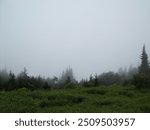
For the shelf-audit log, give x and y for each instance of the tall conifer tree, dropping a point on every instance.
(144, 67)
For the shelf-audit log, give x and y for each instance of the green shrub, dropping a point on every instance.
(141, 81)
(145, 108)
(126, 93)
(69, 85)
(94, 91)
(104, 103)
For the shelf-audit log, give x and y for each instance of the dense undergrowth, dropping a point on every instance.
(94, 99)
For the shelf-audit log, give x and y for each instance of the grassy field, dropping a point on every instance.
(96, 99)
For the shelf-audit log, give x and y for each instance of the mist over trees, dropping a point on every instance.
(123, 77)
(9, 81)
(67, 78)
(138, 76)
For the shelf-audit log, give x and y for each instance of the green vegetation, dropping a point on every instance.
(81, 99)
(107, 92)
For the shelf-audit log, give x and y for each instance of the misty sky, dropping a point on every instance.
(90, 36)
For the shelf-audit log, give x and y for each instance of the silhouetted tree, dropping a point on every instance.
(96, 80)
(4, 78)
(11, 85)
(91, 81)
(46, 86)
(64, 77)
(144, 67)
(23, 79)
(142, 79)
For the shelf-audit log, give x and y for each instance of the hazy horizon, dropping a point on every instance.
(90, 36)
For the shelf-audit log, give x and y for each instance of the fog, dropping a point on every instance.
(90, 36)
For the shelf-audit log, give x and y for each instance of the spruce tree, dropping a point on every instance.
(144, 67)
(142, 79)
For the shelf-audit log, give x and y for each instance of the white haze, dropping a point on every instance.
(90, 36)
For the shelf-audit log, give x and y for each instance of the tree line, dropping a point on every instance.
(9, 81)
(138, 76)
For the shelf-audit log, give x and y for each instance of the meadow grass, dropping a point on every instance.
(95, 99)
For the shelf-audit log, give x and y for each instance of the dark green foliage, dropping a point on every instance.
(141, 81)
(97, 99)
(145, 108)
(84, 83)
(35, 95)
(94, 91)
(126, 93)
(70, 85)
(12, 82)
(61, 100)
(52, 97)
(127, 82)
(46, 86)
(103, 103)
(4, 77)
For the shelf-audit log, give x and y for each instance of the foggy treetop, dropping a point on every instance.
(91, 36)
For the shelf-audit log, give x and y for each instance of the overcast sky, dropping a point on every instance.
(90, 36)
